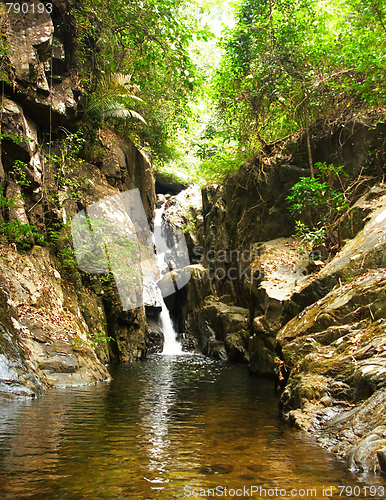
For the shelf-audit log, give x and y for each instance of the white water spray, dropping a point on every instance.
(171, 345)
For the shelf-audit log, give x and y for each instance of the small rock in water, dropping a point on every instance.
(381, 454)
(216, 469)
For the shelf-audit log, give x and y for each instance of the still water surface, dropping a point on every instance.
(169, 427)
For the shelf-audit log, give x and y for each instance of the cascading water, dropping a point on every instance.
(171, 345)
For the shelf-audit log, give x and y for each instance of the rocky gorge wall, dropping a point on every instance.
(252, 298)
(59, 326)
(316, 326)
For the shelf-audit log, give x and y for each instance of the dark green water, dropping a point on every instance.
(169, 427)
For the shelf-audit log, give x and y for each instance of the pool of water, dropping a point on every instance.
(168, 427)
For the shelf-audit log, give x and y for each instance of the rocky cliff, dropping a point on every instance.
(316, 326)
(59, 326)
(335, 347)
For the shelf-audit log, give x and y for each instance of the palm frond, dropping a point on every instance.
(120, 78)
(112, 99)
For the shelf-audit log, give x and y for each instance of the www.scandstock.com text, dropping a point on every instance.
(277, 492)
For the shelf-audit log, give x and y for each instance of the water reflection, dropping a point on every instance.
(158, 398)
(32, 433)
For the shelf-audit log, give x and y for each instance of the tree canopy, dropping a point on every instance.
(287, 63)
(148, 41)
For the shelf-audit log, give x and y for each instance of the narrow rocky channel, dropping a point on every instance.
(278, 389)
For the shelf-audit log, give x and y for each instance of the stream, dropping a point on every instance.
(167, 427)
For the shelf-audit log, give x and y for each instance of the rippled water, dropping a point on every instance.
(168, 427)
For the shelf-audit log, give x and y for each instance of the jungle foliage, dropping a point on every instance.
(317, 204)
(148, 42)
(288, 63)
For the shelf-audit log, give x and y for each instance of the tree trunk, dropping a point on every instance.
(310, 162)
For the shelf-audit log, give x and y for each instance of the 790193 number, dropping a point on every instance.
(357, 491)
(24, 8)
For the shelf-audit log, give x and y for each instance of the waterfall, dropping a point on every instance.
(171, 346)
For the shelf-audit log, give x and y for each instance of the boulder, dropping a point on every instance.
(184, 212)
(235, 344)
(223, 323)
(216, 350)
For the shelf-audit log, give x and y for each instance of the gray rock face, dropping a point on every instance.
(36, 75)
(125, 167)
(275, 273)
(154, 337)
(16, 377)
(351, 144)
